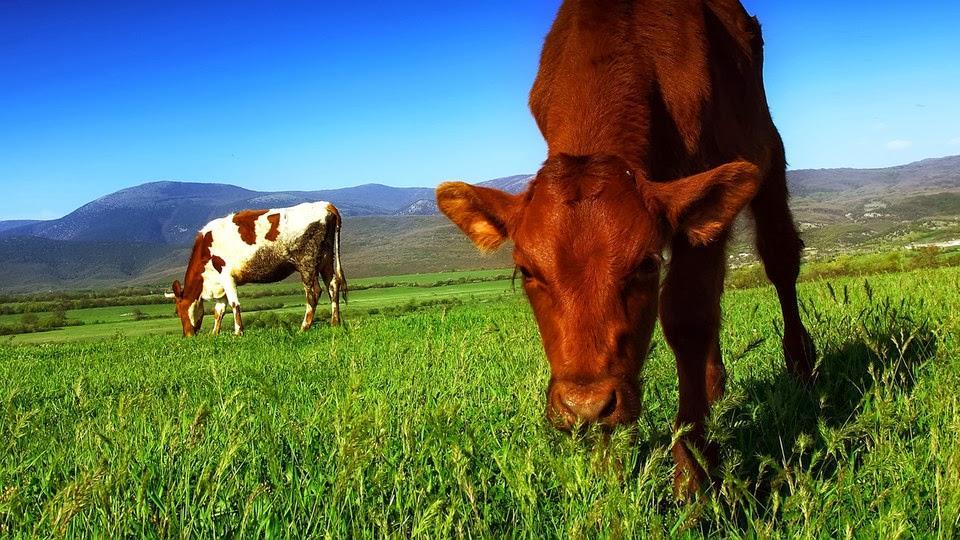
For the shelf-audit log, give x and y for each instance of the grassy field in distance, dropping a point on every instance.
(430, 423)
(284, 299)
(268, 305)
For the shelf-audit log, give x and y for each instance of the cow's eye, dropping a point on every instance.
(649, 265)
(527, 277)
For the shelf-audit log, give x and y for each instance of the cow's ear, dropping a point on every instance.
(177, 291)
(704, 205)
(485, 215)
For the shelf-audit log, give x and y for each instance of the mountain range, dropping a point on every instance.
(172, 212)
(140, 233)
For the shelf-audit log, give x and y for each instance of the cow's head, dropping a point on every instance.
(588, 235)
(190, 310)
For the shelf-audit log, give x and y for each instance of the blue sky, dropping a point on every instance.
(97, 96)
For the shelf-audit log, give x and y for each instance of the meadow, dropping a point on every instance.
(144, 310)
(427, 421)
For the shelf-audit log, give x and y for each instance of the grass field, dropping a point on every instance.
(429, 423)
(137, 312)
(284, 300)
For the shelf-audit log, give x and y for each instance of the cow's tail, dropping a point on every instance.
(337, 268)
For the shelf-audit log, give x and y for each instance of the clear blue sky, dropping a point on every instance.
(97, 96)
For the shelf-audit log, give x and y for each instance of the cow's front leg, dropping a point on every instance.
(218, 312)
(237, 320)
(230, 289)
(690, 317)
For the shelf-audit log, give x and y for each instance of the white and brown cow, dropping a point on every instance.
(262, 246)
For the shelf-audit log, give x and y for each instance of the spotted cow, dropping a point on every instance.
(262, 246)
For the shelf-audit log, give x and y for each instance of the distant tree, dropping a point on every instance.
(60, 312)
(29, 319)
(57, 319)
(926, 257)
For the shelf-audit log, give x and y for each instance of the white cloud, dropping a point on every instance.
(955, 141)
(899, 144)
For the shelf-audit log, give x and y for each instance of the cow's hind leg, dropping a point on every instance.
(690, 317)
(311, 287)
(780, 249)
(230, 289)
(333, 289)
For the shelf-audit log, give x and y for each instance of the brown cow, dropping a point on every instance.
(659, 135)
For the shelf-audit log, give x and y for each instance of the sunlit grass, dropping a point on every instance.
(430, 424)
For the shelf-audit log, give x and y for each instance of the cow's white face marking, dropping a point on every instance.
(195, 312)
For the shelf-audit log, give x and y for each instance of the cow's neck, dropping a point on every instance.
(193, 279)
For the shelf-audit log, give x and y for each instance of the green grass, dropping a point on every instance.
(106, 322)
(390, 294)
(430, 424)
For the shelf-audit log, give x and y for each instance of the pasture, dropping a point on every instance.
(428, 422)
(282, 302)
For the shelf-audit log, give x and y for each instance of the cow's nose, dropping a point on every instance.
(574, 403)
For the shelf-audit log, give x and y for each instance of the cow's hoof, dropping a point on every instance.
(800, 354)
(689, 477)
(689, 480)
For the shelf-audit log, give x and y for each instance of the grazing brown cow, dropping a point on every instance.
(262, 246)
(659, 135)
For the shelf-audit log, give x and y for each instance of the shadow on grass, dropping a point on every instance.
(768, 424)
(771, 429)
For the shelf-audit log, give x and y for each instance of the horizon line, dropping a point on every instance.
(375, 183)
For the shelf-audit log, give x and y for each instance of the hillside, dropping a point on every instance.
(171, 212)
(397, 230)
(929, 174)
(31, 264)
(372, 246)
(16, 224)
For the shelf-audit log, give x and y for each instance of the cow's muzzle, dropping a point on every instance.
(607, 402)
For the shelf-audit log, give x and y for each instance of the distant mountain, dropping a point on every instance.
(139, 234)
(428, 206)
(422, 207)
(510, 184)
(922, 190)
(172, 212)
(16, 224)
(372, 246)
(37, 263)
(927, 175)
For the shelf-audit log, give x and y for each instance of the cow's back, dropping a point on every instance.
(673, 86)
(266, 245)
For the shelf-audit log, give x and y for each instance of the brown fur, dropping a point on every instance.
(193, 281)
(274, 231)
(218, 264)
(246, 222)
(658, 135)
(266, 266)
